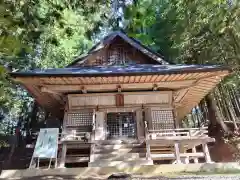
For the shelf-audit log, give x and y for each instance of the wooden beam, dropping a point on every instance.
(46, 90)
(172, 155)
(58, 96)
(131, 86)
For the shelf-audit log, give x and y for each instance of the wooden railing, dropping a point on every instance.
(179, 139)
(74, 136)
(182, 132)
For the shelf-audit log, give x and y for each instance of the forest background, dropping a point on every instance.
(51, 33)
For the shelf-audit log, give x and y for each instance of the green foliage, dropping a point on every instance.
(50, 33)
(5, 91)
(194, 32)
(189, 31)
(42, 34)
(68, 30)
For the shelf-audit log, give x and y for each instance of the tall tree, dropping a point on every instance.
(68, 28)
(43, 34)
(192, 32)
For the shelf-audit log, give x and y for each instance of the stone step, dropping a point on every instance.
(125, 164)
(118, 157)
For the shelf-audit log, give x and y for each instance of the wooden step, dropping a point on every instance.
(77, 155)
(172, 155)
(76, 159)
(79, 142)
(162, 147)
(104, 163)
(117, 146)
(118, 157)
(113, 142)
(76, 146)
(120, 150)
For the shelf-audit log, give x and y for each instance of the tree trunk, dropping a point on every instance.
(215, 118)
(7, 163)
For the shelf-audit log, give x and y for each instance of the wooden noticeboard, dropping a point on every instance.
(46, 146)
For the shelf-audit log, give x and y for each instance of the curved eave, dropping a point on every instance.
(189, 85)
(111, 71)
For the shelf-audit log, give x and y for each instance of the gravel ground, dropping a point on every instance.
(193, 177)
(188, 177)
(209, 177)
(181, 177)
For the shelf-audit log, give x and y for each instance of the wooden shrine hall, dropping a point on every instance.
(122, 104)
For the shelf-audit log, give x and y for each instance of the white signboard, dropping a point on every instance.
(47, 143)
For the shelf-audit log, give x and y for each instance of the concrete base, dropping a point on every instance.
(103, 173)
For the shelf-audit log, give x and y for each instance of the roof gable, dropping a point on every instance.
(151, 56)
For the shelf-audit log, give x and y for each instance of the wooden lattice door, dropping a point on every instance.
(121, 125)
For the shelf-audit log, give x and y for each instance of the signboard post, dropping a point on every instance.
(46, 146)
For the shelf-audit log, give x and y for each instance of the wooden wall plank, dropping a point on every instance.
(136, 86)
(108, 99)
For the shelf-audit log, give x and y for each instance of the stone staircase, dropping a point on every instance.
(119, 153)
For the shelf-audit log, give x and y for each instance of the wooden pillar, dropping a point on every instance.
(140, 125)
(64, 145)
(206, 152)
(92, 157)
(63, 156)
(194, 151)
(92, 147)
(99, 129)
(177, 153)
(148, 153)
(93, 126)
